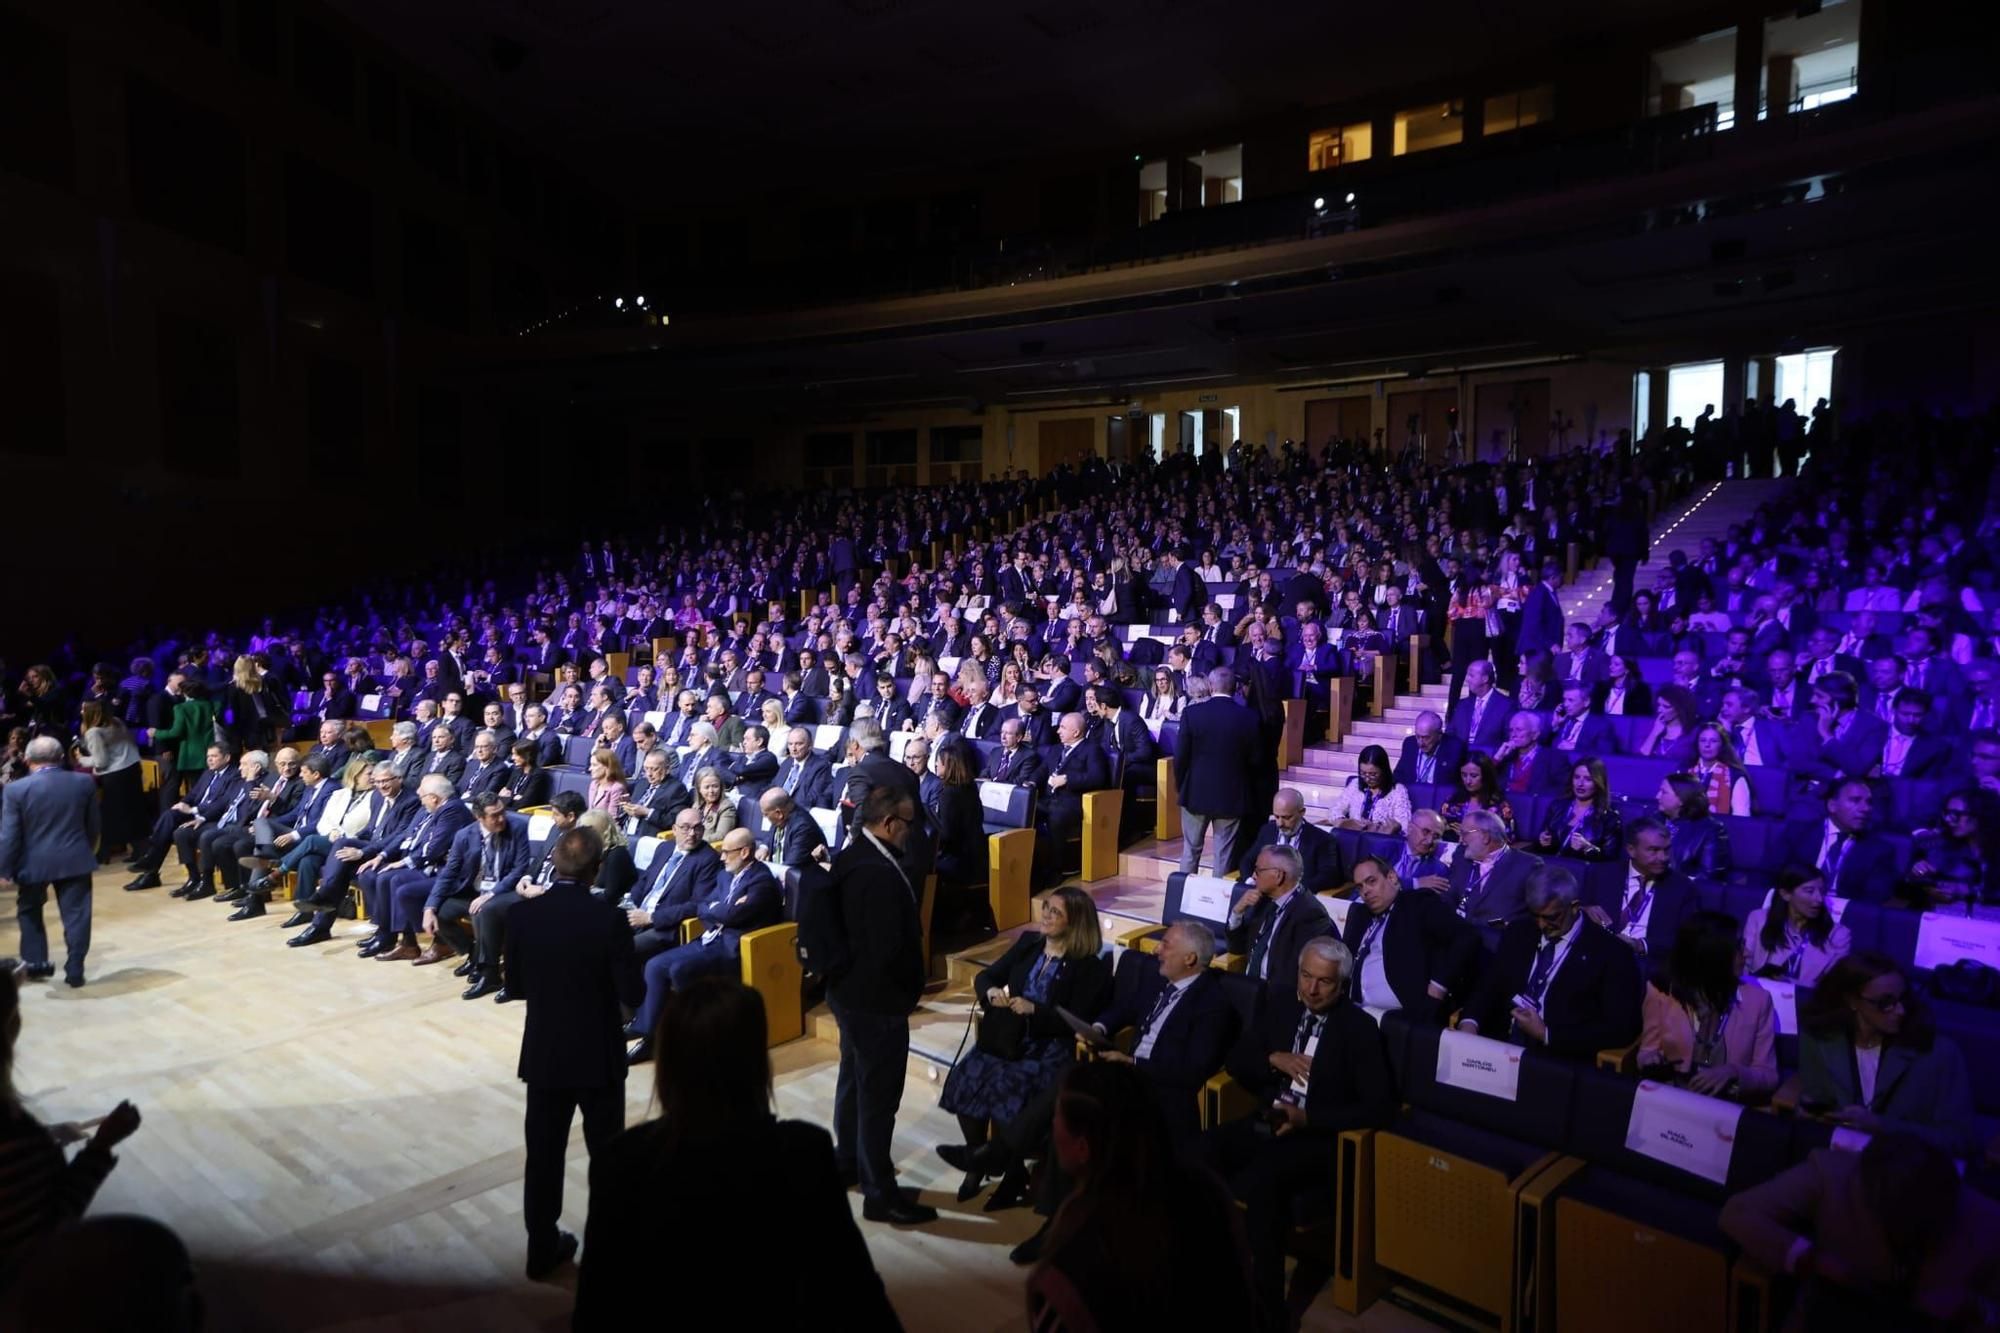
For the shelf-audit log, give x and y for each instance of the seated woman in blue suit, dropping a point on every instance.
(1870, 1057)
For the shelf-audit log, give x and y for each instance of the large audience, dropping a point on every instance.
(1614, 837)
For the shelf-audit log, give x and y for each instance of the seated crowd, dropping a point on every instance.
(1615, 843)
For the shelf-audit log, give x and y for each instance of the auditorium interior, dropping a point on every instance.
(1559, 438)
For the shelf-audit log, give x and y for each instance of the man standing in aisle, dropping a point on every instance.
(48, 839)
(873, 991)
(569, 955)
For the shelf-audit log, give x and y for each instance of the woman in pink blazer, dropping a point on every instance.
(1705, 1027)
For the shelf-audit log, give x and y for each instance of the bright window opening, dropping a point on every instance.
(1698, 73)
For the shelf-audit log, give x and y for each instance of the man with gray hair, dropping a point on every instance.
(48, 840)
(1275, 919)
(1487, 877)
(1216, 758)
(1318, 1067)
(1559, 979)
(1181, 1023)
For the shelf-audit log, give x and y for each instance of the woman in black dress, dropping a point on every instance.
(1060, 965)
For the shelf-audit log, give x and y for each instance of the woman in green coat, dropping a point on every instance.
(192, 730)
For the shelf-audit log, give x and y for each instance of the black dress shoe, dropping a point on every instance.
(148, 879)
(40, 971)
(297, 919)
(310, 935)
(481, 987)
(1011, 1192)
(1029, 1250)
(541, 1265)
(250, 910)
(639, 1052)
(899, 1211)
(464, 969)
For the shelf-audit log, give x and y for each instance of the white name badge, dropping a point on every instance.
(1944, 939)
(1207, 897)
(1479, 1064)
(1684, 1129)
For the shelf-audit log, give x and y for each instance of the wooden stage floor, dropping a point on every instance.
(339, 1140)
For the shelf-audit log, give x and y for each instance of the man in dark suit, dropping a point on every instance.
(1075, 766)
(48, 840)
(803, 775)
(1430, 755)
(1016, 763)
(488, 858)
(1183, 1025)
(879, 984)
(391, 810)
(1559, 979)
(1541, 617)
(792, 837)
(1644, 901)
(1576, 729)
(746, 898)
(1038, 726)
(678, 881)
(1319, 851)
(1488, 878)
(396, 885)
(1273, 921)
(1411, 951)
(1479, 718)
(1318, 1067)
(1216, 756)
(571, 960)
(1855, 863)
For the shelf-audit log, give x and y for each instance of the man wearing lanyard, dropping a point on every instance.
(1273, 921)
(1317, 1065)
(1559, 979)
(1411, 951)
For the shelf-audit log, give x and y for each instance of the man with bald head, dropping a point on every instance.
(1431, 755)
(1289, 827)
(746, 898)
(1075, 766)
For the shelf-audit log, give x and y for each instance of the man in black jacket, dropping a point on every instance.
(1318, 1067)
(1411, 951)
(873, 996)
(1559, 979)
(570, 957)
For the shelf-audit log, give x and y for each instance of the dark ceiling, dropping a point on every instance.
(673, 103)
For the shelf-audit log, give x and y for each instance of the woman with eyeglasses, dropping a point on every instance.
(1794, 938)
(1950, 869)
(1871, 1059)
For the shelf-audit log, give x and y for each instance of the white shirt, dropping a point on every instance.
(1175, 991)
(1867, 1062)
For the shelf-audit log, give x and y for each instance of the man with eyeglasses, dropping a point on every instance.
(1275, 919)
(877, 988)
(1559, 980)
